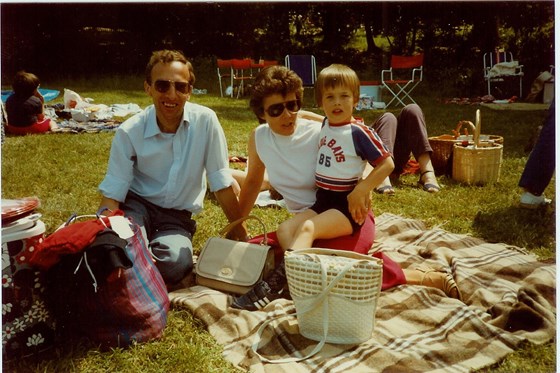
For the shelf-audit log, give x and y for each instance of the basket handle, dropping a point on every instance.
(231, 225)
(475, 128)
(476, 136)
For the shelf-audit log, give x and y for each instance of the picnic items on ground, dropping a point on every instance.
(335, 293)
(232, 266)
(27, 324)
(83, 110)
(442, 146)
(102, 281)
(509, 303)
(479, 163)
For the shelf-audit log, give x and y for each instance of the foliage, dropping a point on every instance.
(118, 37)
(63, 170)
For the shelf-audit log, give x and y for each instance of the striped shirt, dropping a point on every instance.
(343, 152)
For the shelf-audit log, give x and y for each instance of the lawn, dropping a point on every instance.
(63, 170)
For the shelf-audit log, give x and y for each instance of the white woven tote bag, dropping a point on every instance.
(335, 294)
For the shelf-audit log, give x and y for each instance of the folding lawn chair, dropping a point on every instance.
(242, 70)
(224, 72)
(499, 66)
(304, 65)
(402, 77)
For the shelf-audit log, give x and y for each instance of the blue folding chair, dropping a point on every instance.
(304, 66)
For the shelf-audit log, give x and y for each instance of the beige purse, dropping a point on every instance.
(232, 266)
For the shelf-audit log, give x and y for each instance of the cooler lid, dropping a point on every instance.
(35, 230)
(21, 224)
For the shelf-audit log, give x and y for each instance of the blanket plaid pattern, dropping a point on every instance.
(508, 300)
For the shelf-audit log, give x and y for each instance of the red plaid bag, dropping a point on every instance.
(110, 292)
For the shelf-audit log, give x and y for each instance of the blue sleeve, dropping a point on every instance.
(368, 144)
(119, 174)
(217, 160)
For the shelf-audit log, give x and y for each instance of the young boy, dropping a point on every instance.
(346, 146)
(25, 107)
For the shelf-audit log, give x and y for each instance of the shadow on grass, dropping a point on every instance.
(520, 227)
(60, 357)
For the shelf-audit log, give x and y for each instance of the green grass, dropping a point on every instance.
(64, 170)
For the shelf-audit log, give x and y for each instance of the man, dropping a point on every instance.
(160, 160)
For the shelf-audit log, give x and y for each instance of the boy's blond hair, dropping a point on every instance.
(337, 75)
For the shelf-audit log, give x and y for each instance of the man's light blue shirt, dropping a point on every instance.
(169, 170)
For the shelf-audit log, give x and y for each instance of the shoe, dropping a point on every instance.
(440, 280)
(265, 291)
(385, 189)
(428, 187)
(531, 201)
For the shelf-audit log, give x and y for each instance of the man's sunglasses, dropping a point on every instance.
(277, 109)
(163, 86)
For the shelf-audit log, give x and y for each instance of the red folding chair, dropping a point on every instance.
(402, 77)
(241, 71)
(224, 72)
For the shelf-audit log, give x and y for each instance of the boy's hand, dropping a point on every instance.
(359, 203)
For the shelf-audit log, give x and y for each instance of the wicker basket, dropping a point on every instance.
(442, 149)
(477, 164)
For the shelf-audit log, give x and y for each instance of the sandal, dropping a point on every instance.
(441, 280)
(386, 189)
(428, 187)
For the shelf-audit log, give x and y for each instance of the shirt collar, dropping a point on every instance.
(152, 129)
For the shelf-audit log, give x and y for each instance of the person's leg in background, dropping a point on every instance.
(412, 137)
(386, 127)
(540, 166)
(405, 135)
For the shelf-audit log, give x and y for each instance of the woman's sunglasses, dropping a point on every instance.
(163, 86)
(277, 109)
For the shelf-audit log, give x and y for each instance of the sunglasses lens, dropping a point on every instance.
(162, 86)
(181, 87)
(275, 110)
(292, 106)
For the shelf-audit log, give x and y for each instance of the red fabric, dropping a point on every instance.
(68, 240)
(38, 127)
(359, 242)
(412, 167)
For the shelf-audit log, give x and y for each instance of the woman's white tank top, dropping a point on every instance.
(290, 162)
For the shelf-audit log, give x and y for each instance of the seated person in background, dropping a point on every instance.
(25, 107)
(403, 135)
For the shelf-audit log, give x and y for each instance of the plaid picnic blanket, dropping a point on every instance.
(509, 299)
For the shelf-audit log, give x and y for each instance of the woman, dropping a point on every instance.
(285, 146)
